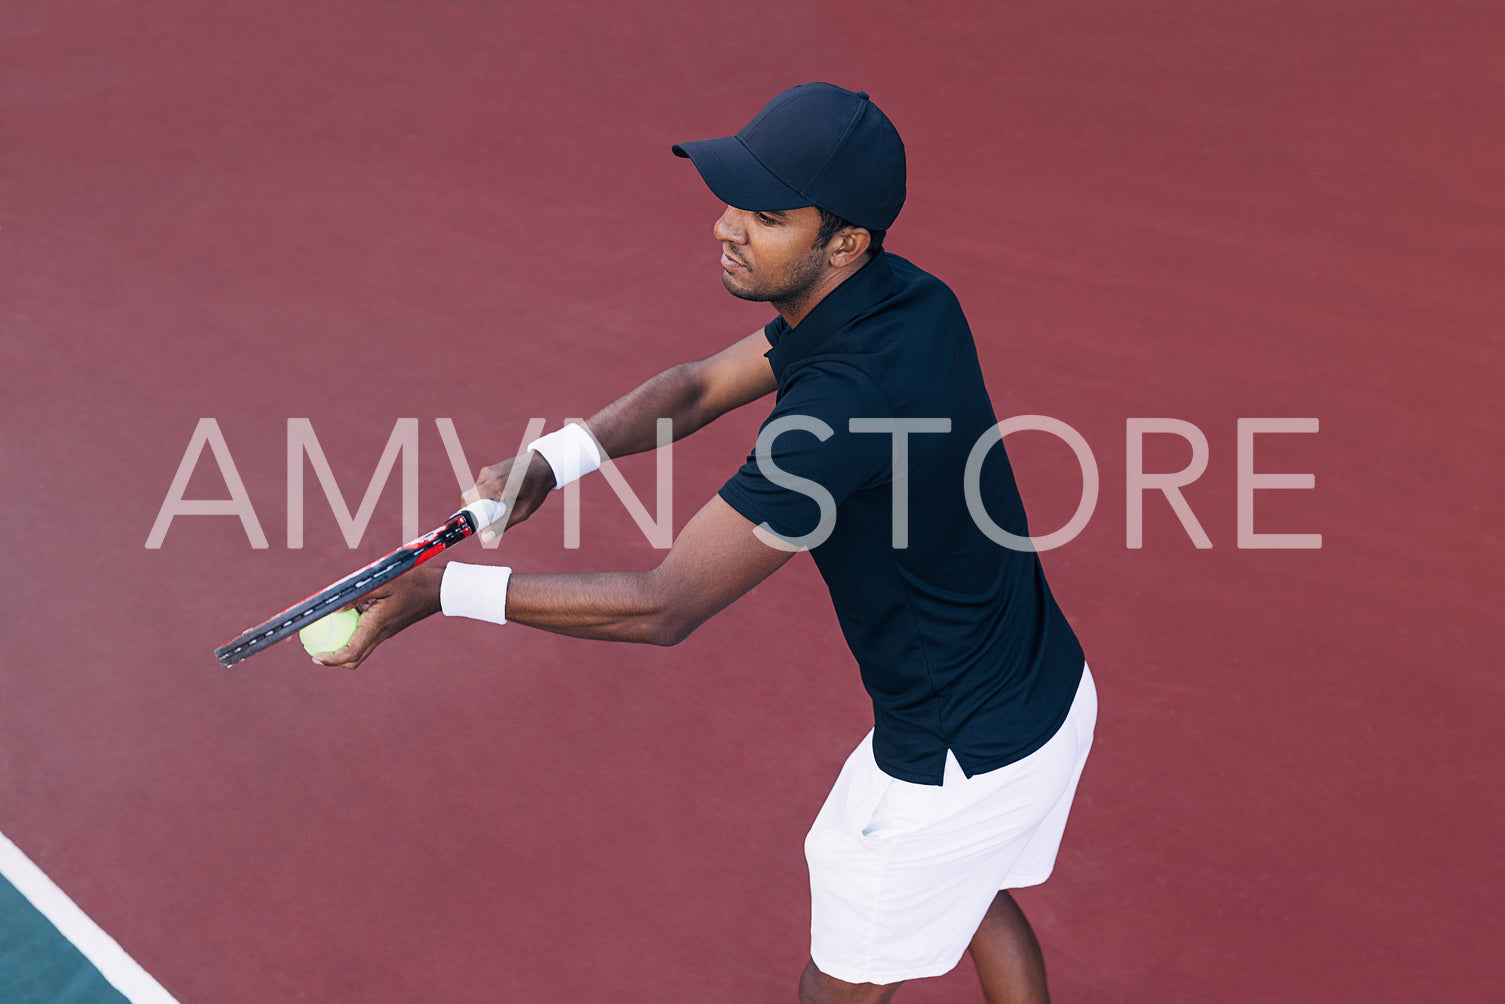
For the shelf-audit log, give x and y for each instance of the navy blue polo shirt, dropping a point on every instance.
(960, 643)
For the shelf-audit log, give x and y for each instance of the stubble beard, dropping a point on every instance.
(792, 285)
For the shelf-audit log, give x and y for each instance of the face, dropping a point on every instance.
(770, 256)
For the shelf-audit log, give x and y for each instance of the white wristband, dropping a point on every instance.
(570, 451)
(478, 591)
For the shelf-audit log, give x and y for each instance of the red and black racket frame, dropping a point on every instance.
(349, 589)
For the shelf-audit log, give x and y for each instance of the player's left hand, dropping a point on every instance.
(404, 601)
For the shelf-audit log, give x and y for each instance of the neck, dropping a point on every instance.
(796, 309)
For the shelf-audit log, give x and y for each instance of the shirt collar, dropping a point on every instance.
(837, 309)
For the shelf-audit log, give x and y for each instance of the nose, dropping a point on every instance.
(729, 227)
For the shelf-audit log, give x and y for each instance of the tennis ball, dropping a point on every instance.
(329, 634)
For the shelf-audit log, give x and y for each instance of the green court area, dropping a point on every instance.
(40, 966)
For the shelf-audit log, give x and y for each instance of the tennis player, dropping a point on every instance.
(876, 458)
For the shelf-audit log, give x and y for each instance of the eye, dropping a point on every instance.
(766, 220)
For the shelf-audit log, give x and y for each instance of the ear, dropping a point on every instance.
(848, 246)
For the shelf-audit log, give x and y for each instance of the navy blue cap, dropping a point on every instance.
(813, 145)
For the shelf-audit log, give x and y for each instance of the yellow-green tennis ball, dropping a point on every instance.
(329, 634)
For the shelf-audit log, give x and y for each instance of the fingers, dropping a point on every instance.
(368, 634)
(491, 483)
(358, 646)
(361, 644)
(520, 483)
(384, 613)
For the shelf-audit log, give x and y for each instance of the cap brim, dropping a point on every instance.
(736, 177)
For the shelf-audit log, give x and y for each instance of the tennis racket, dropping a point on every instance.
(473, 518)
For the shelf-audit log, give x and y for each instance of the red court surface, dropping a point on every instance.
(358, 213)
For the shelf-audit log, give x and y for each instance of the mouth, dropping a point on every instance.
(728, 262)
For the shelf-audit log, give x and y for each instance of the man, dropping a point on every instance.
(876, 458)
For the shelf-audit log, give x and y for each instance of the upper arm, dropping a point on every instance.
(715, 559)
(737, 375)
(809, 460)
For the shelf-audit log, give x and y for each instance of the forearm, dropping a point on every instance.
(716, 559)
(607, 606)
(690, 395)
(630, 424)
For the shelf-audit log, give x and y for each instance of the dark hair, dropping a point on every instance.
(831, 225)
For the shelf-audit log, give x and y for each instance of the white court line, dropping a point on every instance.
(123, 972)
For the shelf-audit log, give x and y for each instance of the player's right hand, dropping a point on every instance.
(491, 483)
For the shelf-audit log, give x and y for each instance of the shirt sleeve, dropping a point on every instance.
(807, 461)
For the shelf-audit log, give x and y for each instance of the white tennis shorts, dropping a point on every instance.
(901, 874)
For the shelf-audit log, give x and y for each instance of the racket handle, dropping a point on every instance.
(484, 512)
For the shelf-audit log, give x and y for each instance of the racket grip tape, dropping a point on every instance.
(484, 512)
